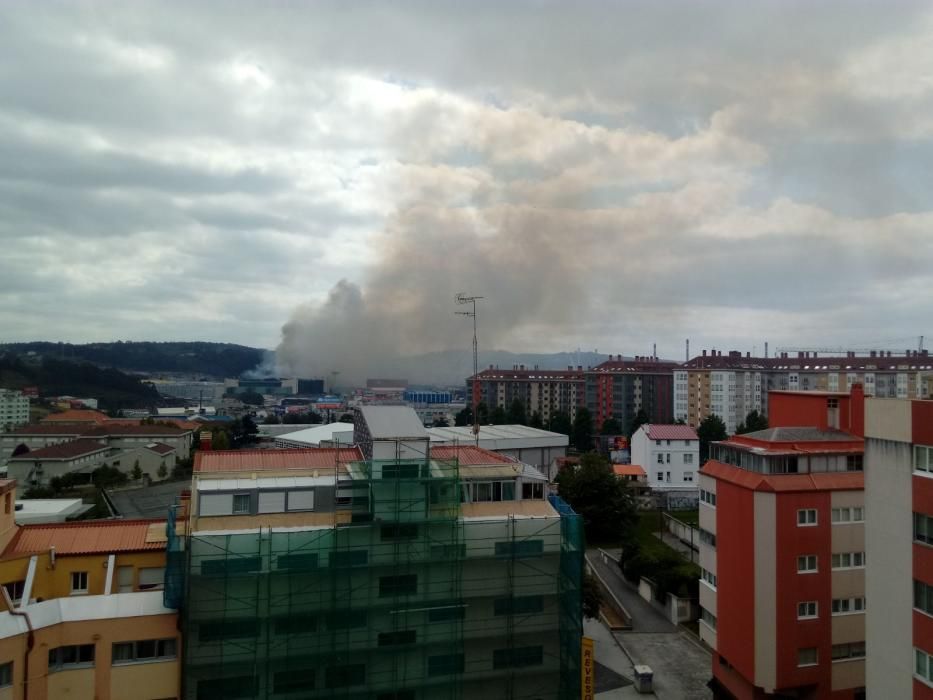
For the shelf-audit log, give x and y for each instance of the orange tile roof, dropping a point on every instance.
(84, 537)
(76, 416)
(258, 460)
(469, 455)
(628, 470)
(817, 481)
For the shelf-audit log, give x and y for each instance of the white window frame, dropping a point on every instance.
(806, 562)
(79, 590)
(847, 560)
(806, 606)
(807, 517)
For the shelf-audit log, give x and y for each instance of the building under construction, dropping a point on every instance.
(386, 570)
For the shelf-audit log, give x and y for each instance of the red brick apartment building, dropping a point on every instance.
(782, 552)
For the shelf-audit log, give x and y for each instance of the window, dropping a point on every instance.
(688, 458)
(152, 579)
(668, 457)
(923, 459)
(852, 650)
(445, 664)
(848, 515)
(660, 476)
(301, 500)
(388, 639)
(660, 458)
(854, 463)
(923, 528)
(78, 582)
(518, 657)
(657, 442)
(234, 565)
(398, 531)
(807, 610)
(708, 576)
(72, 656)
(143, 650)
(806, 517)
(15, 589)
(240, 503)
(807, 657)
(923, 666)
(533, 490)
(707, 537)
(345, 676)
(300, 561)
(447, 551)
(295, 624)
(707, 617)
(806, 564)
(6, 674)
(848, 606)
(346, 619)
(708, 497)
(848, 560)
(406, 584)
(923, 597)
(520, 549)
(297, 681)
(519, 605)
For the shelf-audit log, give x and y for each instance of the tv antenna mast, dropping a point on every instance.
(463, 299)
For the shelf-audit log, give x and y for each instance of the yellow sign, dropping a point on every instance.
(587, 679)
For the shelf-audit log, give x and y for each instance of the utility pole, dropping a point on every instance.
(464, 299)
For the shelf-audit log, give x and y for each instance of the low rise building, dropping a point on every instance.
(670, 455)
(539, 448)
(14, 409)
(37, 468)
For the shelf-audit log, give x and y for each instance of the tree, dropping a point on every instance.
(251, 398)
(107, 477)
(464, 416)
(636, 421)
(441, 422)
(249, 428)
(711, 429)
(482, 413)
(601, 499)
(137, 471)
(611, 427)
(271, 419)
(498, 416)
(753, 421)
(592, 596)
(346, 418)
(560, 423)
(302, 418)
(220, 440)
(535, 421)
(516, 415)
(163, 472)
(582, 429)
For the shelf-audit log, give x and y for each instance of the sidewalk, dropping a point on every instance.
(616, 666)
(645, 617)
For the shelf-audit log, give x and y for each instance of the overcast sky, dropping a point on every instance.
(608, 175)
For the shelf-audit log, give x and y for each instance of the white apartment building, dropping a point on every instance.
(14, 409)
(669, 454)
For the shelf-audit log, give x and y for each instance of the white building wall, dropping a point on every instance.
(672, 464)
(681, 395)
(14, 409)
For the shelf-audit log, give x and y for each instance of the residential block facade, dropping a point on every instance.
(669, 455)
(14, 409)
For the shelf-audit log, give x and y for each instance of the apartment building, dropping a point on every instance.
(542, 391)
(670, 455)
(733, 385)
(83, 612)
(386, 570)
(899, 544)
(620, 388)
(782, 548)
(14, 409)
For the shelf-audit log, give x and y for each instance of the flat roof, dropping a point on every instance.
(499, 436)
(315, 434)
(526, 508)
(386, 422)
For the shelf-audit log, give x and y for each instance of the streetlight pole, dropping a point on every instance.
(464, 299)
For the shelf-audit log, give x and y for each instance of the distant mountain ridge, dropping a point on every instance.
(210, 359)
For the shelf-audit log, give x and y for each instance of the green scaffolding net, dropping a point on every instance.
(401, 598)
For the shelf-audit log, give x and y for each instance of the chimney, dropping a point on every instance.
(704, 353)
(799, 355)
(569, 368)
(579, 368)
(654, 350)
(522, 367)
(748, 354)
(766, 348)
(814, 355)
(687, 359)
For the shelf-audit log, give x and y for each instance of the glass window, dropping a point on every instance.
(240, 503)
(806, 610)
(143, 650)
(15, 589)
(806, 517)
(78, 582)
(921, 664)
(345, 676)
(152, 578)
(75, 655)
(387, 639)
(806, 563)
(807, 657)
(406, 584)
(6, 674)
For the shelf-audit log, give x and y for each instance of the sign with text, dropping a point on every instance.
(587, 679)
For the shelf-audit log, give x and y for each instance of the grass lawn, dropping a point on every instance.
(649, 524)
(691, 517)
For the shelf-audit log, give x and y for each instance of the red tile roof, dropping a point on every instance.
(50, 429)
(818, 481)
(259, 460)
(85, 537)
(76, 416)
(671, 432)
(64, 450)
(469, 455)
(144, 429)
(160, 448)
(628, 470)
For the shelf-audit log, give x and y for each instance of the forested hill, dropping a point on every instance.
(112, 388)
(209, 359)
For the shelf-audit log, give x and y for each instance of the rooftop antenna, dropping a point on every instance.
(463, 299)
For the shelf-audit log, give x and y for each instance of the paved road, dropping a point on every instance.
(681, 665)
(645, 617)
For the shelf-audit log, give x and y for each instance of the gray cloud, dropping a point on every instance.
(607, 175)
